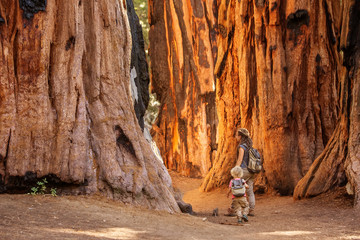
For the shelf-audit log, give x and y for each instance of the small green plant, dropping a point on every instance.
(53, 192)
(34, 190)
(41, 188)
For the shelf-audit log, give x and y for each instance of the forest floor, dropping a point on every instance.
(329, 216)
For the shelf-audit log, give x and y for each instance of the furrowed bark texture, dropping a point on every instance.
(281, 56)
(182, 48)
(342, 152)
(287, 71)
(66, 108)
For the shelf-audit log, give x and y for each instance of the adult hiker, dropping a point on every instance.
(242, 136)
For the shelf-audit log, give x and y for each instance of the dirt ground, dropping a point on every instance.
(83, 217)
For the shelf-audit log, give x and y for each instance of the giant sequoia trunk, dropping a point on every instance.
(66, 108)
(342, 152)
(278, 71)
(281, 56)
(181, 42)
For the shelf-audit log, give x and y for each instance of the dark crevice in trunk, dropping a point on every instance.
(123, 140)
(252, 66)
(224, 59)
(222, 64)
(329, 24)
(50, 81)
(351, 57)
(212, 34)
(211, 118)
(15, 60)
(319, 72)
(77, 103)
(7, 150)
(271, 49)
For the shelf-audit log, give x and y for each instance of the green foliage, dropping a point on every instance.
(34, 190)
(53, 192)
(41, 188)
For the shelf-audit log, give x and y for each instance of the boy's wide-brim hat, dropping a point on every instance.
(244, 131)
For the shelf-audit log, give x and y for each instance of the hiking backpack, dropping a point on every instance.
(238, 188)
(255, 162)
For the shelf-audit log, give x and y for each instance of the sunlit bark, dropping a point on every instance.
(342, 153)
(282, 59)
(182, 47)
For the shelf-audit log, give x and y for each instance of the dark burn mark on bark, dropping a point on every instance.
(138, 61)
(271, 49)
(123, 140)
(31, 7)
(69, 43)
(274, 6)
(2, 20)
(297, 19)
(294, 22)
(318, 58)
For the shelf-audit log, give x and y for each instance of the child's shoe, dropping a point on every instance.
(245, 218)
(239, 220)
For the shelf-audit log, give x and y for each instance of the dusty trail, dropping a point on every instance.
(80, 217)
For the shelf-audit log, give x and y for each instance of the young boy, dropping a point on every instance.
(239, 203)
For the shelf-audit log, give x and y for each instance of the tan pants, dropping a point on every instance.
(249, 178)
(240, 206)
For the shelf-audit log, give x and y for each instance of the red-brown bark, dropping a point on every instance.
(341, 155)
(181, 42)
(66, 109)
(278, 69)
(281, 54)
